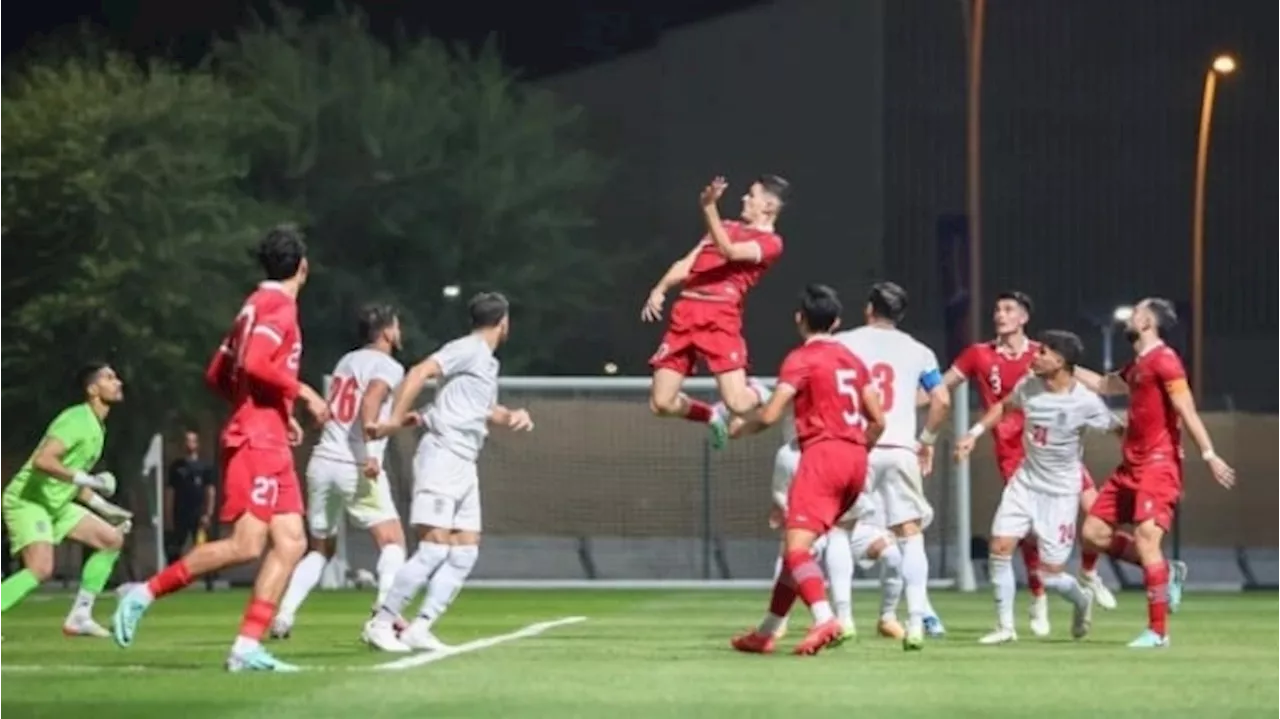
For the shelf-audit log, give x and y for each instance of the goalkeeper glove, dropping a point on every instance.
(113, 513)
(104, 482)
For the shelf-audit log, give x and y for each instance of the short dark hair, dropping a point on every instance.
(1022, 298)
(487, 309)
(888, 301)
(820, 307)
(374, 318)
(88, 373)
(1165, 314)
(1065, 343)
(776, 185)
(281, 251)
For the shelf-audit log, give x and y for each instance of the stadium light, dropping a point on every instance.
(610, 368)
(1122, 313)
(451, 292)
(1224, 64)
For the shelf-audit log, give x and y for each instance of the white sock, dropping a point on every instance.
(243, 645)
(447, 582)
(838, 563)
(890, 581)
(1002, 584)
(412, 576)
(390, 559)
(770, 625)
(1065, 585)
(821, 612)
(915, 578)
(777, 568)
(305, 577)
(83, 605)
(928, 603)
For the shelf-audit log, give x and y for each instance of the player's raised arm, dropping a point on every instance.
(513, 419)
(414, 380)
(1175, 383)
(1099, 418)
(734, 252)
(1107, 385)
(992, 417)
(677, 273)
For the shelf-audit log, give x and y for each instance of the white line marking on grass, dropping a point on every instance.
(532, 630)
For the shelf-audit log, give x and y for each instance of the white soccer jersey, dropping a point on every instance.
(789, 425)
(342, 439)
(898, 365)
(1054, 423)
(458, 418)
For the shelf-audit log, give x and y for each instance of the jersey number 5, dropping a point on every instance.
(847, 385)
(342, 399)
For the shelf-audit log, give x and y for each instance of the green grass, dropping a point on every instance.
(652, 654)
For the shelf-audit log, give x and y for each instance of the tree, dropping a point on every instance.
(421, 167)
(126, 230)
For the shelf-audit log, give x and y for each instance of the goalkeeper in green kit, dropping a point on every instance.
(46, 502)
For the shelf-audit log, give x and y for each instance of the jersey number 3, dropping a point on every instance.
(882, 377)
(847, 385)
(342, 399)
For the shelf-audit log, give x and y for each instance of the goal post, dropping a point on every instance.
(603, 494)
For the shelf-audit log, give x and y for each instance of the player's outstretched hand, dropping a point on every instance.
(1223, 474)
(295, 432)
(711, 193)
(924, 453)
(520, 421)
(652, 310)
(964, 446)
(371, 468)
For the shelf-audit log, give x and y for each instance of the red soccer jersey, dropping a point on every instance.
(256, 369)
(995, 374)
(1153, 434)
(828, 380)
(711, 274)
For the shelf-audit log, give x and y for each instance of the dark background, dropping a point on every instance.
(1090, 111)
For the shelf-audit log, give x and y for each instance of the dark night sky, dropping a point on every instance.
(541, 37)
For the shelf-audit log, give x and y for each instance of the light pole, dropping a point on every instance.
(1222, 65)
(1119, 316)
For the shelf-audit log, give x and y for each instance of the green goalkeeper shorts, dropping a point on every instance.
(30, 523)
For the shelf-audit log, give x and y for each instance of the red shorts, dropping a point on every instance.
(1132, 495)
(828, 481)
(701, 328)
(259, 481)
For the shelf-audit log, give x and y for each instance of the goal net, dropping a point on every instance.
(603, 493)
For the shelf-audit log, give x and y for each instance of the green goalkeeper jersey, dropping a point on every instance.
(82, 434)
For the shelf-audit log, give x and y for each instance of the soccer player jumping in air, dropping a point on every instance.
(837, 416)
(1144, 490)
(706, 321)
(995, 368)
(255, 370)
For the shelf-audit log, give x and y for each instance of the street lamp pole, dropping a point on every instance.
(1222, 65)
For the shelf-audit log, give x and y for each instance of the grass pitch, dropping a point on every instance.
(642, 654)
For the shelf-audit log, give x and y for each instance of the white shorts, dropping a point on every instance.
(446, 489)
(334, 486)
(785, 463)
(1050, 517)
(894, 475)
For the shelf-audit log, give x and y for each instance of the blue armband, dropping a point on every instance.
(930, 379)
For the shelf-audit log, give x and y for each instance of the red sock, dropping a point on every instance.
(172, 578)
(784, 595)
(1156, 577)
(256, 618)
(807, 577)
(1123, 548)
(698, 411)
(1088, 561)
(1031, 559)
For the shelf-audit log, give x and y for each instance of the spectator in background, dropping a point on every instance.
(189, 499)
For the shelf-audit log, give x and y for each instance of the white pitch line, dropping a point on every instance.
(532, 630)
(409, 662)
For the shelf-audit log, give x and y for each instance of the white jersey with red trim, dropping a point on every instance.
(899, 365)
(343, 439)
